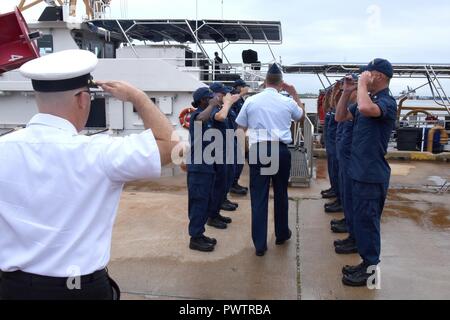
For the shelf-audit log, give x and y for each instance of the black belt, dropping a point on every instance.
(51, 281)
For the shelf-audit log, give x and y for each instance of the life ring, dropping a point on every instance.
(185, 117)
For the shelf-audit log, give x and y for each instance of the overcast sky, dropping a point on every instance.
(318, 31)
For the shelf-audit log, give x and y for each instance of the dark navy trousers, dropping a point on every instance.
(259, 193)
(368, 203)
(231, 171)
(200, 186)
(346, 185)
(218, 190)
(333, 172)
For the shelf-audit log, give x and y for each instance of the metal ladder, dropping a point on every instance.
(441, 98)
(302, 158)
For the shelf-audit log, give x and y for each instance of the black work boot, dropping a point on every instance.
(334, 209)
(280, 242)
(342, 242)
(339, 228)
(238, 190)
(201, 244)
(224, 219)
(348, 248)
(331, 204)
(227, 207)
(335, 222)
(227, 201)
(329, 195)
(357, 279)
(216, 223)
(325, 191)
(347, 270)
(210, 240)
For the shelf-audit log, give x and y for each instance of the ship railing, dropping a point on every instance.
(210, 71)
(302, 154)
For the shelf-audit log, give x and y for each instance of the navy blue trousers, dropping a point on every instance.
(238, 167)
(200, 186)
(237, 173)
(231, 171)
(333, 172)
(346, 185)
(219, 190)
(368, 203)
(259, 193)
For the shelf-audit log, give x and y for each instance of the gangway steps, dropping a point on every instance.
(299, 176)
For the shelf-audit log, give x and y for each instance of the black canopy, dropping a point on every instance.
(207, 31)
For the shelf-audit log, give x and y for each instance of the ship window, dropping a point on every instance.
(45, 44)
(97, 115)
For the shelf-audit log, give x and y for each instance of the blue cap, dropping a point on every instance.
(380, 65)
(274, 69)
(218, 87)
(201, 93)
(240, 83)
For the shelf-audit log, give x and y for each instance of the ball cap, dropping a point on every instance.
(218, 87)
(61, 71)
(240, 83)
(380, 65)
(201, 93)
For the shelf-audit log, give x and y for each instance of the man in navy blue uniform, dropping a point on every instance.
(224, 167)
(344, 148)
(328, 193)
(241, 88)
(333, 164)
(201, 175)
(268, 116)
(374, 118)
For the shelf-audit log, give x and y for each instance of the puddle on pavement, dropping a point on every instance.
(321, 170)
(401, 169)
(434, 216)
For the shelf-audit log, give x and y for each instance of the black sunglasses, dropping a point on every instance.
(91, 94)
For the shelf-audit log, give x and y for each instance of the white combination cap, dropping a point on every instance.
(61, 71)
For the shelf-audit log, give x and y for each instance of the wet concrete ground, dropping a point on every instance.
(151, 258)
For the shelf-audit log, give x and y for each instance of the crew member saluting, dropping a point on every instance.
(374, 118)
(268, 116)
(61, 190)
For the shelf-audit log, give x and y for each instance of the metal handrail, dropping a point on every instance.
(308, 143)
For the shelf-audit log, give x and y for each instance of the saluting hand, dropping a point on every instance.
(290, 89)
(244, 91)
(231, 99)
(366, 78)
(214, 101)
(122, 91)
(350, 85)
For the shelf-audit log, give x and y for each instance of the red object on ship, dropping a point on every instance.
(320, 109)
(16, 46)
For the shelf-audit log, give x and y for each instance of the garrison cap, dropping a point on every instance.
(274, 70)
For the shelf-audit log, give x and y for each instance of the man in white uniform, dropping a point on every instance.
(268, 116)
(60, 190)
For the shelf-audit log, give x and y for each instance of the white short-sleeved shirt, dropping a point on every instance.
(268, 116)
(59, 194)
